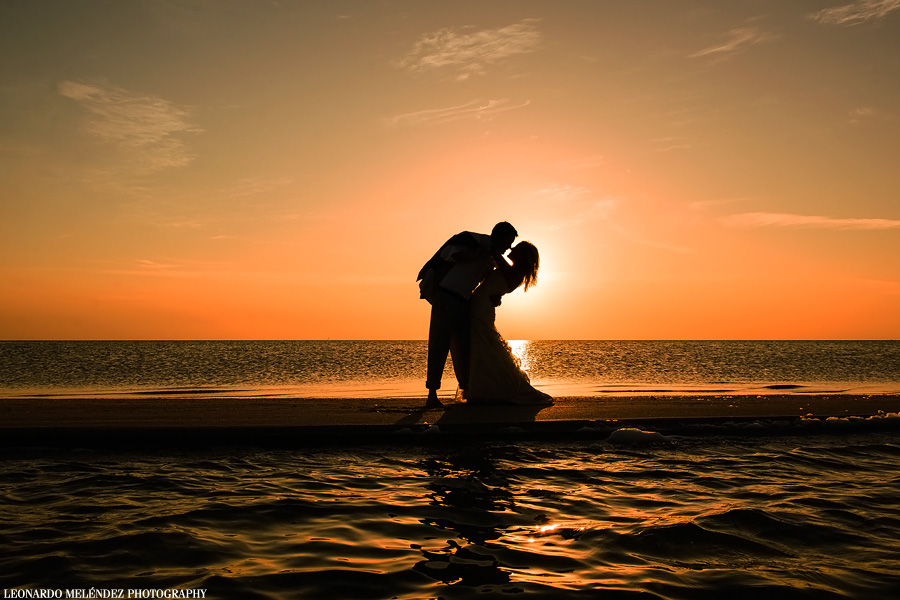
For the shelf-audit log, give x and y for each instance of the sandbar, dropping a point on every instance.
(50, 420)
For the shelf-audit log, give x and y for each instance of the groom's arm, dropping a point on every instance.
(461, 247)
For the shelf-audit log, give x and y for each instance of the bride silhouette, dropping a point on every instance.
(495, 376)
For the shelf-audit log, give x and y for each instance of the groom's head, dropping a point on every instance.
(503, 235)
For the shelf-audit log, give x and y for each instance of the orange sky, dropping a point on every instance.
(217, 170)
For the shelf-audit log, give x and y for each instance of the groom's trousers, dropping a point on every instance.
(448, 332)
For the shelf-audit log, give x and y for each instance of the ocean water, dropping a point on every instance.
(633, 516)
(396, 368)
(739, 510)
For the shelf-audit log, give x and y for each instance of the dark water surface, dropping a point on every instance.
(812, 516)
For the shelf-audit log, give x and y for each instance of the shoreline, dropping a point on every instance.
(166, 421)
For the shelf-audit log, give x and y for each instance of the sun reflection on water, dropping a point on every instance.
(520, 351)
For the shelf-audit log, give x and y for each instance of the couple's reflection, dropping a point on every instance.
(472, 496)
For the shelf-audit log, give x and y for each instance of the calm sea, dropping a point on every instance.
(396, 368)
(736, 512)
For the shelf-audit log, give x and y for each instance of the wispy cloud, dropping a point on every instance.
(158, 267)
(862, 113)
(668, 144)
(867, 114)
(558, 192)
(146, 127)
(736, 39)
(856, 12)
(470, 110)
(150, 268)
(767, 219)
(470, 51)
(578, 203)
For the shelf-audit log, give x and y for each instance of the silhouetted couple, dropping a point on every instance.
(464, 282)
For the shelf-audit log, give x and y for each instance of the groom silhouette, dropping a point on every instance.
(447, 281)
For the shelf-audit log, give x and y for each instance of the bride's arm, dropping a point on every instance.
(513, 278)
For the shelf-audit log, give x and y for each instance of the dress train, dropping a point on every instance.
(495, 374)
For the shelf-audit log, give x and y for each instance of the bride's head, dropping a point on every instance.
(526, 260)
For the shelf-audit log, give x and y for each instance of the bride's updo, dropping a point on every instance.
(526, 260)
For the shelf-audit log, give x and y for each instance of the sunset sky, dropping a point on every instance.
(280, 170)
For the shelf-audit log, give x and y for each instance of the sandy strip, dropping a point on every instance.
(166, 423)
(169, 412)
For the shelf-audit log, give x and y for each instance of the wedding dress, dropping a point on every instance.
(495, 375)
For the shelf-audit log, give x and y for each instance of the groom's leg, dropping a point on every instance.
(446, 313)
(439, 334)
(438, 347)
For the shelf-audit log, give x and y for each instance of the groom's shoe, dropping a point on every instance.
(433, 401)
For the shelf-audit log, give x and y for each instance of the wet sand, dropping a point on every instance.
(49, 420)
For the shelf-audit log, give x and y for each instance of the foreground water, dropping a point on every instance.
(635, 516)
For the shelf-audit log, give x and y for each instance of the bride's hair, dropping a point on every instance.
(527, 260)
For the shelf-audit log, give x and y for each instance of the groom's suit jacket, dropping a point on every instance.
(438, 267)
(441, 266)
